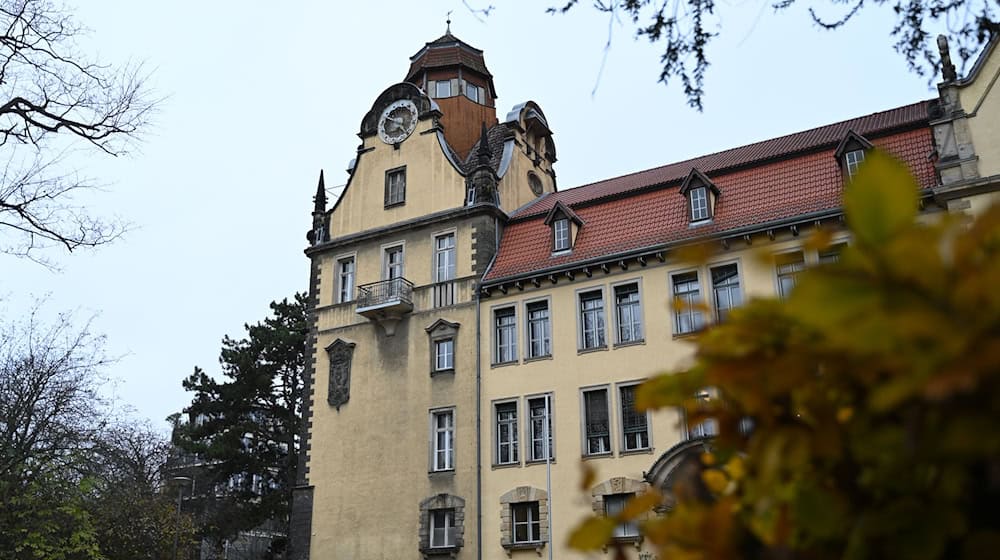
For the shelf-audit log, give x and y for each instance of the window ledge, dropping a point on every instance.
(505, 364)
(643, 451)
(437, 372)
(441, 474)
(538, 358)
(440, 551)
(394, 205)
(603, 348)
(636, 540)
(506, 465)
(537, 546)
(531, 462)
(639, 342)
(700, 223)
(691, 334)
(562, 252)
(592, 456)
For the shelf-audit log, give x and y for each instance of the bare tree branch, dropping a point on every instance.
(49, 90)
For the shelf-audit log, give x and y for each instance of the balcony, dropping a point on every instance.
(385, 302)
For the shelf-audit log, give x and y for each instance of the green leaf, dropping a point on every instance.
(592, 534)
(881, 200)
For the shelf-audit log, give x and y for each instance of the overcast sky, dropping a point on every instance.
(260, 96)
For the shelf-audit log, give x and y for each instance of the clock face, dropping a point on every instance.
(397, 121)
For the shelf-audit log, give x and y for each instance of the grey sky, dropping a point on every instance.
(261, 96)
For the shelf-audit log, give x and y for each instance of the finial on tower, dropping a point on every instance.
(484, 152)
(947, 68)
(447, 28)
(320, 199)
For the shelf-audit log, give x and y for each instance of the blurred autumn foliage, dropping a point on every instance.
(873, 395)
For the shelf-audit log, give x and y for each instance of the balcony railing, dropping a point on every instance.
(393, 296)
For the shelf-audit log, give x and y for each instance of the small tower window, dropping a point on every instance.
(560, 230)
(443, 89)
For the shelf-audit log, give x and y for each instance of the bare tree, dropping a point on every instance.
(50, 405)
(53, 98)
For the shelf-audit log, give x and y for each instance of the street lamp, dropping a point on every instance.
(180, 491)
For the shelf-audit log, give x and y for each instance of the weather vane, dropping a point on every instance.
(448, 22)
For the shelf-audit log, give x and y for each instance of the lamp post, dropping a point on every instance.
(177, 523)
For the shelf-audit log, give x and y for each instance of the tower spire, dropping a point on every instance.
(320, 199)
(484, 153)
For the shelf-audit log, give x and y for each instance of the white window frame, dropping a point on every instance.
(444, 271)
(613, 505)
(449, 530)
(832, 253)
(395, 196)
(351, 285)
(514, 442)
(387, 249)
(499, 357)
(734, 291)
(636, 320)
(437, 89)
(530, 509)
(606, 441)
(444, 361)
(443, 449)
(624, 447)
(852, 161)
(699, 204)
(787, 270)
(561, 235)
(600, 338)
(546, 340)
(695, 316)
(530, 429)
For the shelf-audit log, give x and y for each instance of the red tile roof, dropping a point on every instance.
(765, 182)
(446, 51)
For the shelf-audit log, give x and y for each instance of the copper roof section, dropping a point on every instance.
(448, 51)
(764, 183)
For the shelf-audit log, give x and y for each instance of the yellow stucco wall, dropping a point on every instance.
(982, 96)
(432, 183)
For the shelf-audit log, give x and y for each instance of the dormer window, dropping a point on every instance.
(701, 194)
(851, 152)
(699, 204)
(560, 231)
(852, 160)
(565, 226)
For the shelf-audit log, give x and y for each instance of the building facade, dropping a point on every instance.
(477, 333)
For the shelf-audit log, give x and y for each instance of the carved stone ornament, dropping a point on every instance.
(339, 353)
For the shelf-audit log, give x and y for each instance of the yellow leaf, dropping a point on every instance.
(881, 200)
(640, 504)
(844, 414)
(594, 533)
(735, 468)
(715, 480)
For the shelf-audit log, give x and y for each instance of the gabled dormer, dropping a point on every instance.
(851, 152)
(701, 194)
(564, 225)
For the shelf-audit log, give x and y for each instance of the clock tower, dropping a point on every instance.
(392, 456)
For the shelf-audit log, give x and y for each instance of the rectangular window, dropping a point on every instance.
(708, 427)
(560, 233)
(627, 313)
(443, 436)
(506, 414)
(788, 266)
(505, 333)
(687, 299)
(345, 279)
(395, 187)
(831, 254)
(699, 204)
(853, 160)
(592, 320)
(442, 528)
(526, 522)
(444, 257)
(393, 263)
(444, 354)
(442, 88)
(726, 288)
(597, 425)
(635, 427)
(472, 92)
(539, 329)
(613, 505)
(538, 412)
